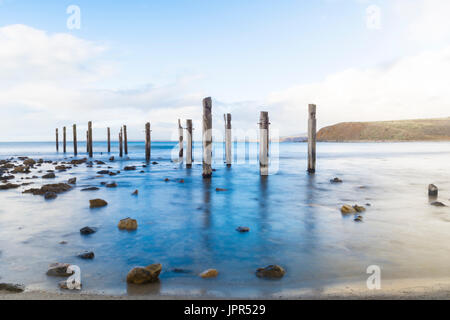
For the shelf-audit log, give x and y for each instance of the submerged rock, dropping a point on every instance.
(221, 190)
(78, 161)
(359, 208)
(129, 168)
(57, 188)
(135, 192)
(29, 162)
(88, 230)
(50, 195)
(243, 229)
(336, 180)
(271, 272)
(210, 273)
(358, 219)
(347, 209)
(103, 172)
(50, 175)
(433, 190)
(58, 270)
(9, 186)
(86, 255)
(141, 275)
(111, 185)
(438, 204)
(72, 181)
(97, 203)
(10, 287)
(90, 189)
(127, 224)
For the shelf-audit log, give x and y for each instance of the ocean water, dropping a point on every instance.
(294, 219)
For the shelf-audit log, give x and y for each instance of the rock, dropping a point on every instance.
(347, 209)
(90, 189)
(63, 242)
(179, 270)
(154, 162)
(86, 255)
(57, 188)
(78, 161)
(50, 175)
(103, 172)
(438, 204)
(58, 270)
(72, 181)
(135, 193)
(9, 186)
(111, 159)
(210, 273)
(50, 195)
(142, 275)
(358, 219)
(97, 203)
(271, 272)
(112, 174)
(111, 185)
(336, 180)
(181, 181)
(14, 288)
(129, 168)
(359, 208)
(433, 190)
(243, 229)
(88, 230)
(99, 162)
(21, 169)
(127, 224)
(29, 162)
(166, 179)
(61, 168)
(221, 190)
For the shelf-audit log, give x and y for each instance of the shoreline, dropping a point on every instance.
(399, 289)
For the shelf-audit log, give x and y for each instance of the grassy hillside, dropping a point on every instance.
(403, 130)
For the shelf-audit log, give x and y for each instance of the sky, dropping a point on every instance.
(132, 62)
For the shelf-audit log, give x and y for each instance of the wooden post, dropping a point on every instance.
(57, 142)
(207, 138)
(227, 118)
(64, 139)
(108, 133)
(312, 124)
(147, 142)
(90, 139)
(125, 139)
(189, 158)
(87, 141)
(120, 144)
(75, 147)
(180, 141)
(264, 143)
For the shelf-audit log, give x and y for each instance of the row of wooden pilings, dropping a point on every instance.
(207, 140)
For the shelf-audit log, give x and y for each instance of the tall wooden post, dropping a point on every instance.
(57, 142)
(108, 133)
(75, 147)
(125, 139)
(312, 125)
(120, 144)
(90, 139)
(264, 143)
(148, 142)
(64, 139)
(228, 139)
(87, 141)
(180, 142)
(189, 158)
(207, 138)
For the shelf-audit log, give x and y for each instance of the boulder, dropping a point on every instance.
(210, 273)
(97, 203)
(21, 169)
(78, 161)
(58, 270)
(9, 186)
(347, 209)
(13, 288)
(88, 230)
(141, 275)
(72, 181)
(29, 162)
(50, 175)
(50, 195)
(271, 272)
(438, 204)
(127, 224)
(87, 255)
(103, 172)
(57, 188)
(433, 190)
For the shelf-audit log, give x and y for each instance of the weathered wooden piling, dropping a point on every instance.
(180, 141)
(120, 143)
(90, 139)
(189, 158)
(64, 139)
(264, 143)
(147, 142)
(227, 118)
(108, 133)
(207, 138)
(312, 126)
(75, 147)
(125, 139)
(87, 141)
(57, 140)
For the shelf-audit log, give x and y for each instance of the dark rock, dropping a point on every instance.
(97, 203)
(29, 162)
(90, 189)
(438, 204)
(135, 193)
(111, 159)
(243, 229)
(99, 162)
(86, 255)
(72, 181)
(142, 275)
(9, 186)
(103, 172)
(13, 288)
(57, 188)
(221, 190)
(271, 272)
(78, 161)
(166, 180)
(111, 185)
(50, 195)
(179, 270)
(336, 180)
(21, 169)
(49, 176)
(154, 162)
(129, 168)
(358, 219)
(88, 230)
(433, 190)
(58, 270)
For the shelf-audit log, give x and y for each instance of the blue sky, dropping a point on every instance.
(245, 54)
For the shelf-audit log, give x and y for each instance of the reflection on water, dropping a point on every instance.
(294, 220)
